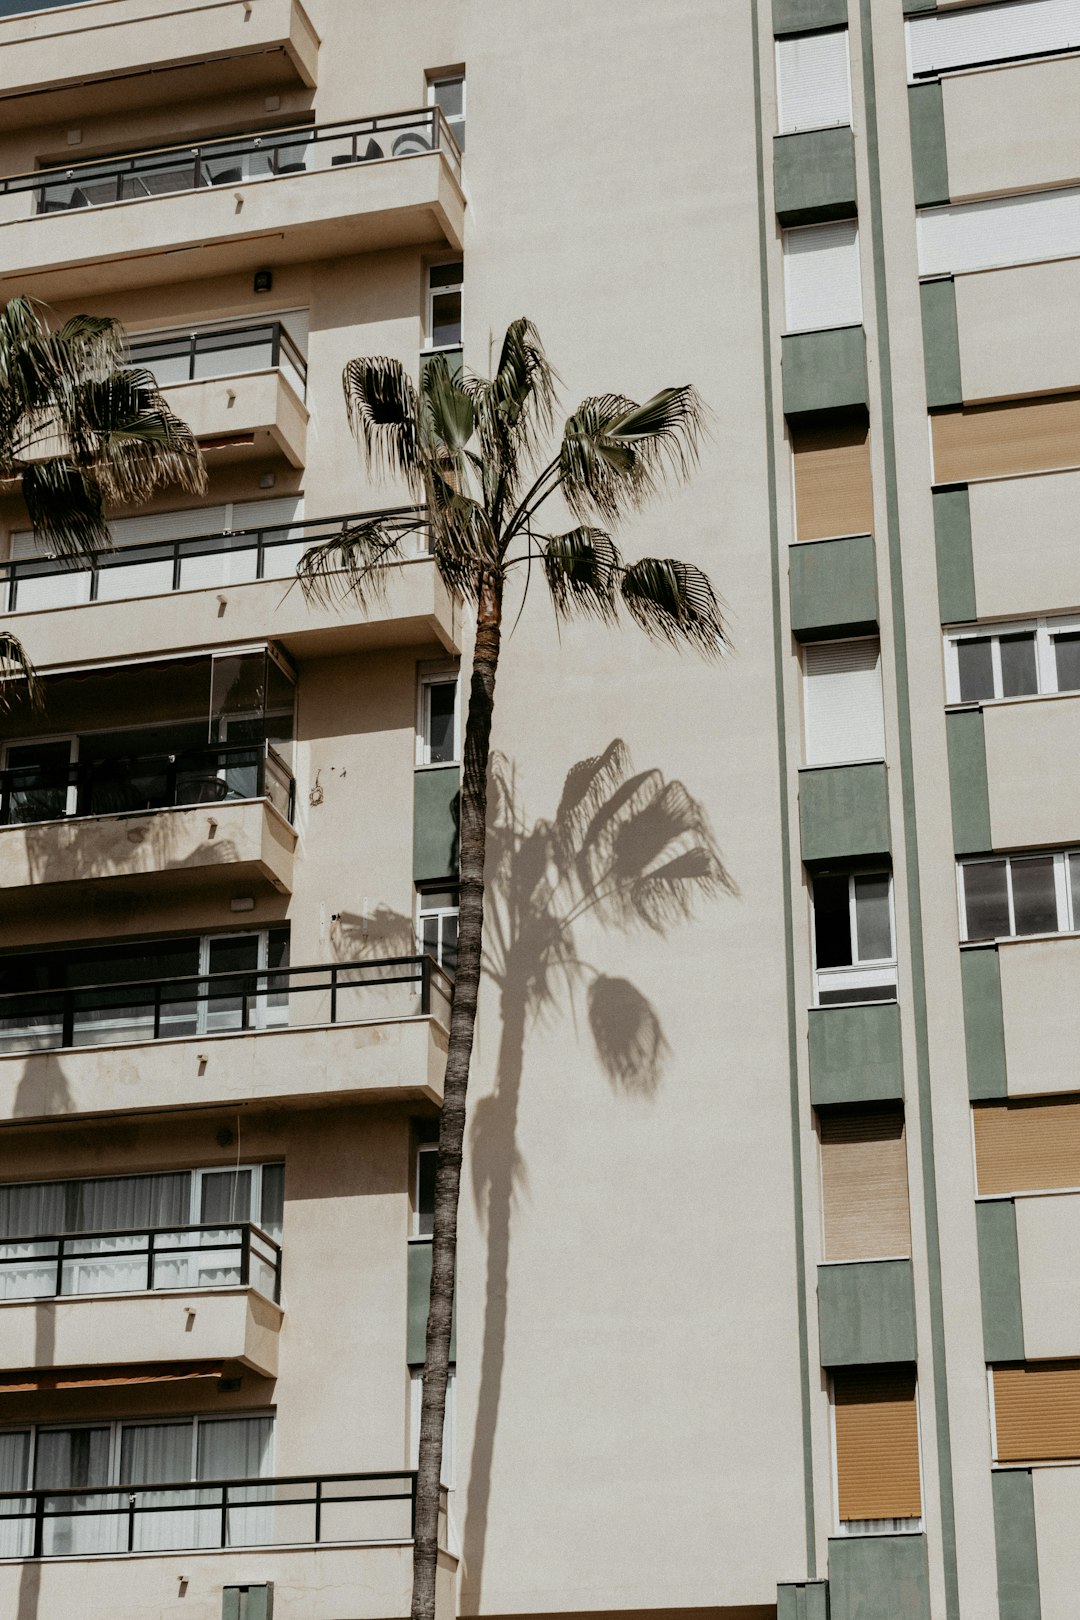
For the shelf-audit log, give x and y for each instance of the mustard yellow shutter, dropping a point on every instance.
(1027, 1146)
(877, 1443)
(864, 1183)
(833, 487)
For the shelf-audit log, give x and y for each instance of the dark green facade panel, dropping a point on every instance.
(1017, 1546)
(803, 16)
(833, 587)
(999, 1280)
(866, 1313)
(955, 569)
(879, 1578)
(823, 371)
(984, 1024)
(844, 813)
(941, 342)
(436, 816)
(929, 160)
(967, 781)
(855, 1055)
(814, 176)
(419, 1296)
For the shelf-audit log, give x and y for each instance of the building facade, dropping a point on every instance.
(766, 1295)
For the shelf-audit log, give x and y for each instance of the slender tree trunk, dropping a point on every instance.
(473, 844)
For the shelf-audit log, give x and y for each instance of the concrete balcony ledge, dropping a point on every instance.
(388, 1059)
(234, 1325)
(255, 415)
(101, 56)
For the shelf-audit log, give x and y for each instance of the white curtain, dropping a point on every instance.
(153, 1454)
(240, 1448)
(45, 1210)
(16, 1533)
(68, 1459)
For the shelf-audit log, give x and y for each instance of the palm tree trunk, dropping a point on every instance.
(472, 849)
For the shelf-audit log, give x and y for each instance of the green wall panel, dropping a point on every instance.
(929, 159)
(419, 1298)
(823, 371)
(866, 1313)
(436, 800)
(802, 1600)
(967, 781)
(247, 1602)
(855, 1055)
(814, 176)
(955, 569)
(941, 342)
(984, 1023)
(879, 1578)
(1017, 1547)
(843, 812)
(999, 1280)
(833, 587)
(799, 16)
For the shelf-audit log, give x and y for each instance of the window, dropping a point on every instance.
(438, 731)
(444, 305)
(842, 706)
(448, 92)
(1036, 1411)
(437, 926)
(946, 40)
(834, 492)
(424, 1210)
(417, 1376)
(876, 1435)
(854, 955)
(813, 81)
(1014, 660)
(1000, 440)
(1005, 896)
(864, 1190)
(1022, 229)
(821, 276)
(1027, 1145)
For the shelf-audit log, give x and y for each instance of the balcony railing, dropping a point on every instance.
(221, 1003)
(230, 352)
(198, 562)
(34, 793)
(14, 8)
(136, 1262)
(293, 1510)
(232, 161)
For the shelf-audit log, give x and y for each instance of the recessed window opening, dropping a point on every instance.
(1023, 659)
(438, 740)
(424, 1193)
(447, 91)
(813, 81)
(854, 952)
(980, 36)
(437, 925)
(1004, 896)
(822, 279)
(445, 283)
(876, 1450)
(842, 703)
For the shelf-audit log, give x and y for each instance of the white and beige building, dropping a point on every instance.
(780, 1318)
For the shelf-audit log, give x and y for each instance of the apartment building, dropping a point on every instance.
(779, 1319)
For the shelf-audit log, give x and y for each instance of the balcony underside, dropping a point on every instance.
(234, 1326)
(288, 219)
(256, 415)
(61, 64)
(415, 610)
(387, 1060)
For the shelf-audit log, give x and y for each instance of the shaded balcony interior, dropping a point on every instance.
(138, 737)
(177, 1230)
(235, 160)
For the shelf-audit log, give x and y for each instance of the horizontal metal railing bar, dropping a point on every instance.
(135, 1231)
(245, 1483)
(154, 159)
(220, 340)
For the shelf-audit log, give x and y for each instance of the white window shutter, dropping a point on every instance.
(946, 40)
(813, 83)
(267, 514)
(842, 698)
(150, 528)
(821, 276)
(1006, 230)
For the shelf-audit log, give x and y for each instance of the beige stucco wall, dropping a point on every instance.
(1023, 545)
(1015, 328)
(1012, 128)
(1040, 1012)
(1032, 771)
(1057, 1505)
(262, 405)
(1047, 1233)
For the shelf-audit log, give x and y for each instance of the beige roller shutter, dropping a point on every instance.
(864, 1183)
(877, 1443)
(833, 487)
(1037, 1411)
(993, 441)
(1028, 1146)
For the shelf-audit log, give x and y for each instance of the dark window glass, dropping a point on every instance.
(873, 921)
(976, 660)
(1019, 676)
(66, 1459)
(445, 320)
(442, 704)
(1034, 896)
(986, 899)
(425, 1192)
(1067, 659)
(832, 921)
(272, 1213)
(226, 1198)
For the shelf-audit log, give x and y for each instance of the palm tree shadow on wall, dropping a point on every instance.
(631, 851)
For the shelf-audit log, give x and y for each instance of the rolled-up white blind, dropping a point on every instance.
(843, 709)
(813, 84)
(1000, 33)
(1006, 230)
(821, 276)
(150, 528)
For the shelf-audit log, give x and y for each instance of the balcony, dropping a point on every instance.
(225, 205)
(227, 1038)
(132, 1262)
(118, 55)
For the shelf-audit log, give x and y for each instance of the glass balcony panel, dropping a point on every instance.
(84, 1525)
(28, 1270)
(105, 1265)
(118, 581)
(44, 585)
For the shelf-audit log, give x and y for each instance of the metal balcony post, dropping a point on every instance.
(13, 586)
(318, 1511)
(245, 1256)
(425, 984)
(39, 1524)
(176, 565)
(131, 1523)
(59, 1288)
(224, 1516)
(150, 1262)
(67, 1031)
(277, 1273)
(157, 1011)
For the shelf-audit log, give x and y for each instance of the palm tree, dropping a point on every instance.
(80, 431)
(476, 452)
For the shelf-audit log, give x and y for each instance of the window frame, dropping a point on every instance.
(421, 1149)
(444, 673)
(802, 129)
(439, 76)
(858, 974)
(788, 234)
(434, 911)
(430, 295)
(115, 1428)
(1062, 893)
(1045, 629)
(806, 679)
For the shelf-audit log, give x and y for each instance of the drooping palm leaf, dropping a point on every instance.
(384, 416)
(616, 453)
(675, 602)
(356, 562)
(582, 569)
(17, 674)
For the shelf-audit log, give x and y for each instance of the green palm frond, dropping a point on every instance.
(136, 443)
(582, 570)
(384, 416)
(675, 602)
(17, 674)
(355, 562)
(615, 453)
(66, 508)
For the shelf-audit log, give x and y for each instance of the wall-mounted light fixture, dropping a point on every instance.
(264, 281)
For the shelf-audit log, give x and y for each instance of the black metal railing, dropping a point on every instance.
(233, 160)
(289, 1510)
(223, 352)
(195, 562)
(141, 782)
(141, 1260)
(221, 1003)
